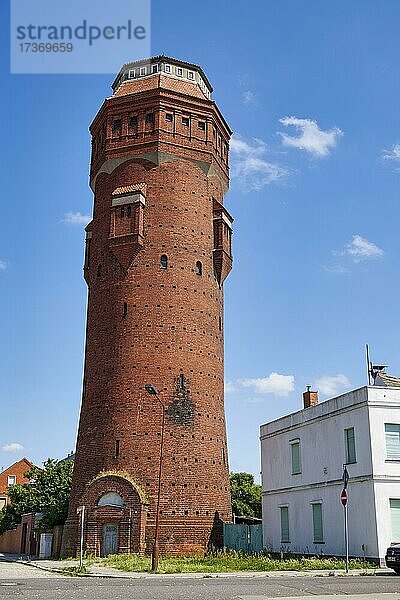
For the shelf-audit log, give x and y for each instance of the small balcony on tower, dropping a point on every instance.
(222, 253)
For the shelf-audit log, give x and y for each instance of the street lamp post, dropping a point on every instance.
(152, 390)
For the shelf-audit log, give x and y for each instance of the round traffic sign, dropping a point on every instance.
(343, 497)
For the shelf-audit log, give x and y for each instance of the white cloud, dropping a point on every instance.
(3, 265)
(330, 385)
(249, 97)
(360, 249)
(76, 218)
(357, 250)
(229, 387)
(311, 138)
(280, 385)
(337, 269)
(392, 154)
(249, 164)
(13, 447)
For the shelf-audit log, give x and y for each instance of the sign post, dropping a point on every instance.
(81, 511)
(344, 500)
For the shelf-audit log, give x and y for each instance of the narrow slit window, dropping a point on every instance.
(128, 210)
(168, 117)
(122, 212)
(125, 309)
(133, 121)
(163, 261)
(201, 125)
(185, 121)
(116, 449)
(199, 268)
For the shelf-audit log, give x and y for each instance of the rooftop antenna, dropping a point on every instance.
(369, 364)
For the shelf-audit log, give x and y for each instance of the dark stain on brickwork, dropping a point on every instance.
(181, 410)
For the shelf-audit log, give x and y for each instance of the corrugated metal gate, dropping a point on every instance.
(242, 537)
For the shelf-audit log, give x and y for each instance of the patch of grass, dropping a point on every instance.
(225, 562)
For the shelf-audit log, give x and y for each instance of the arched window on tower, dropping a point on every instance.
(199, 268)
(111, 499)
(163, 261)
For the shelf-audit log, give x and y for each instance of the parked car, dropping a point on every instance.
(393, 558)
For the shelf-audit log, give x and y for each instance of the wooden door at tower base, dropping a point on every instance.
(110, 539)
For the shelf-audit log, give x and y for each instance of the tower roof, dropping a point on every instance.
(168, 66)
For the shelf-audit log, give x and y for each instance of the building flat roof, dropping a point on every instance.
(364, 395)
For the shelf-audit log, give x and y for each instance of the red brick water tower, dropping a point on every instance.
(157, 253)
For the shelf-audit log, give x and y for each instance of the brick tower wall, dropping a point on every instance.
(150, 324)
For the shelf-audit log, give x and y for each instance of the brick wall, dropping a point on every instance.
(148, 324)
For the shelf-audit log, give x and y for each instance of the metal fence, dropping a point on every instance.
(242, 537)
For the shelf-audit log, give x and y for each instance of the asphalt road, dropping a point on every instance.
(27, 583)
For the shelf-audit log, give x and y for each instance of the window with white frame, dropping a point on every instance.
(154, 68)
(318, 528)
(350, 443)
(190, 75)
(3, 501)
(179, 71)
(392, 438)
(395, 519)
(11, 480)
(295, 456)
(167, 68)
(285, 534)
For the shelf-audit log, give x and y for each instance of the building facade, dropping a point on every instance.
(13, 474)
(302, 457)
(157, 252)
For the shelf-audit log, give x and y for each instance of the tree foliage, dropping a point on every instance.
(246, 495)
(47, 492)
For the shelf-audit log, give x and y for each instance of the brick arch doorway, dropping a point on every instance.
(116, 515)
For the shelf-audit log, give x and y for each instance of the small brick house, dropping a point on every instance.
(15, 473)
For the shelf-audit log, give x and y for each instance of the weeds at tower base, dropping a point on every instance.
(226, 561)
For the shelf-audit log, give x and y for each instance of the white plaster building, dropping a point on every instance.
(302, 457)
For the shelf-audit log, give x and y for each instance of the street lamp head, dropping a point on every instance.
(151, 389)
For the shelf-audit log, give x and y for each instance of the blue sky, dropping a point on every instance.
(311, 90)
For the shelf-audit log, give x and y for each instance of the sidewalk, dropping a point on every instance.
(97, 571)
